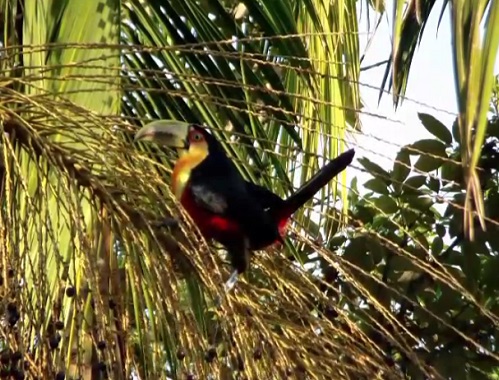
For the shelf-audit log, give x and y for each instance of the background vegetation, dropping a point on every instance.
(398, 282)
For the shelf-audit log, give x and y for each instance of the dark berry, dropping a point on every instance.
(180, 354)
(12, 319)
(54, 341)
(70, 291)
(4, 373)
(16, 356)
(190, 376)
(330, 313)
(210, 355)
(17, 374)
(59, 325)
(240, 363)
(5, 357)
(112, 304)
(10, 273)
(257, 354)
(101, 345)
(100, 366)
(60, 375)
(11, 307)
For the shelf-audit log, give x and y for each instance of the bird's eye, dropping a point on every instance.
(197, 136)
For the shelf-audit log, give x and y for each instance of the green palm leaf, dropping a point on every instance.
(82, 201)
(51, 119)
(474, 58)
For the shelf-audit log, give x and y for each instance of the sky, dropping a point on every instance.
(430, 90)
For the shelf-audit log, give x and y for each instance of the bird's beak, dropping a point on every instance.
(172, 133)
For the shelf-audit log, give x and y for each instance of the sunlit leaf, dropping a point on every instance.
(436, 128)
(427, 164)
(377, 185)
(414, 182)
(374, 169)
(401, 168)
(428, 146)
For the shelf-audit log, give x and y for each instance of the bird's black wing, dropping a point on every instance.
(229, 197)
(266, 198)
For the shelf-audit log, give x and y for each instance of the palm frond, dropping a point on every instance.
(91, 283)
(474, 58)
(50, 117)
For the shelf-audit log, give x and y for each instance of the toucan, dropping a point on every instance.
(239, 214)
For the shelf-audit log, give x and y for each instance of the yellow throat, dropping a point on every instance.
(182, 170)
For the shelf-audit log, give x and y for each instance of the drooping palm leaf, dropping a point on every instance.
(474, 58)
(474, 62)
(409, 24)
(146, 293)
(51, 121)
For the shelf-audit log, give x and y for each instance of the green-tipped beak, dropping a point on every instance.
(172, 133)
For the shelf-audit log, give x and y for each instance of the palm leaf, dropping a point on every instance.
(82, 200)
(409, 24)
(474, 64)
(474, 61)
(46, 211)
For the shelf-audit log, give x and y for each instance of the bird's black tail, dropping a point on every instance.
(312, 186)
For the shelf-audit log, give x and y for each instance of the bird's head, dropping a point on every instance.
(187, 138)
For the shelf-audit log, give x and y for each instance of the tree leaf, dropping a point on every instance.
(401, 166)
(409, 215)
(377, 185)
(428, 146)
(356, 253)
(401, 264)
(378, 252)
(489, 272)
(414, 183)
(428, 164)
(440, 230)
(436, 127)
(378, 5)
(434, 184)
(471, 263)
(451, 172)
(422, 203)
(437, 245)
(386, 204)
(353, 194)
(375, 169)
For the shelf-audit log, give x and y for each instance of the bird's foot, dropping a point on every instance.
(231, 281)
(166, 223)
(228, 286)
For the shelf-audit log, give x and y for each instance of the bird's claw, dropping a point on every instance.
(231, 282)
(228, 286)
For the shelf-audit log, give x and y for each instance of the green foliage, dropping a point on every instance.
(475, 33)
(55, 233)
(436, 128)
(81, 202)
(91, 283)
(426, 274)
